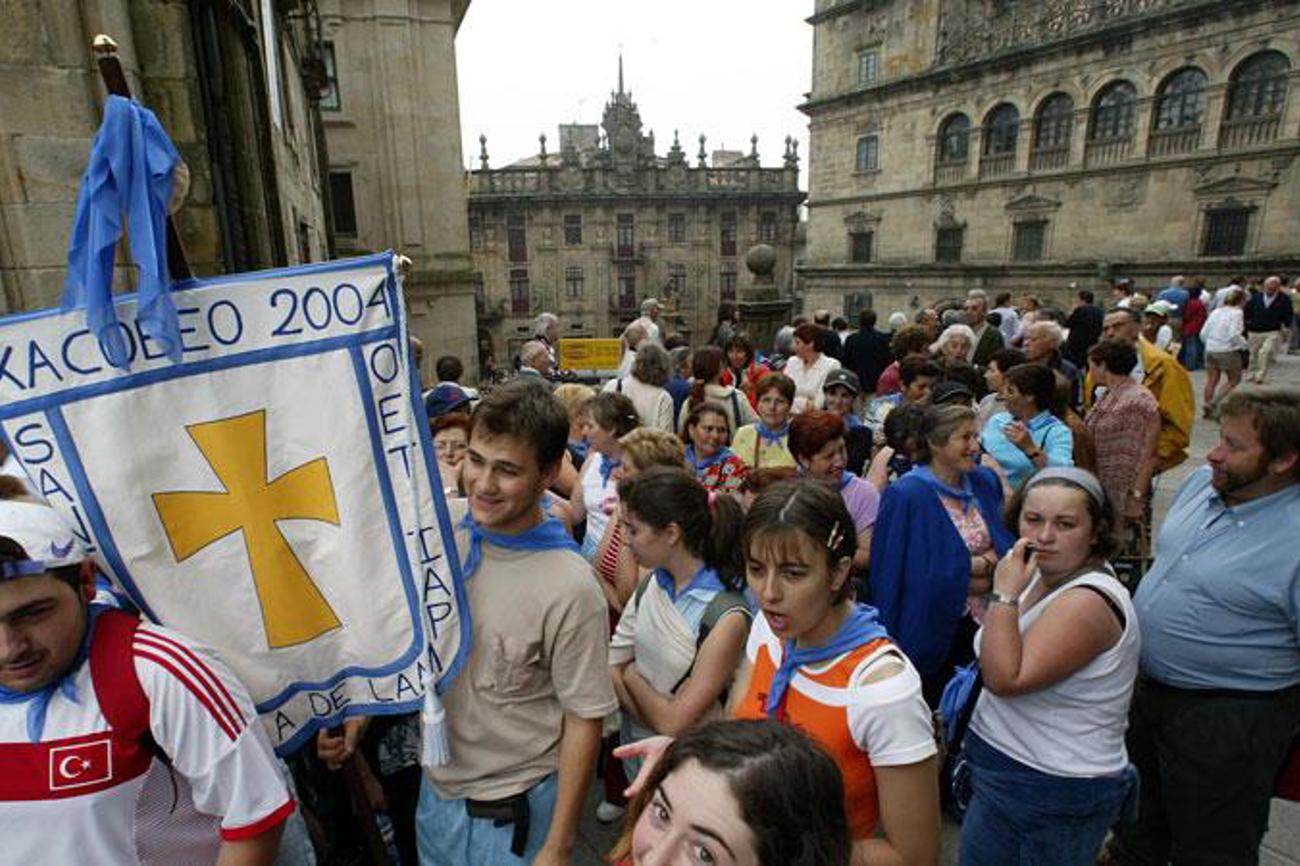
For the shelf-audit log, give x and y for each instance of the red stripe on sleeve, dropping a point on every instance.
(257, 828)
(205, 673)
(170, 665)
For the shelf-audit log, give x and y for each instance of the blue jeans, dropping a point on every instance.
(1191, 354)
(448, 836)
(1019, 816)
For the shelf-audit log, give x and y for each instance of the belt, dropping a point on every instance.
(1233, 694)
(509, 810)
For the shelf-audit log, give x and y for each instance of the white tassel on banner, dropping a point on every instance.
(435, 750)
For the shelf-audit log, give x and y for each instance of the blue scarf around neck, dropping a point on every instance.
(965, 494)
(701, 465)
(607, 466)
(861, 627)
(38, 700)
(767, 434)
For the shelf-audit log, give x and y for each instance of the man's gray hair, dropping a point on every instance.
(543, 323)
(1054, 332)
(648, 304)
(652, 365)
(531, 351)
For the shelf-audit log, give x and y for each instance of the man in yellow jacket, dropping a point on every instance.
(1164, 377)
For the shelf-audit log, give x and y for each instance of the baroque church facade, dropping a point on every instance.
(1031, 145)
(590, 232)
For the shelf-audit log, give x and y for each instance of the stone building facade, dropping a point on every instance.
(225, 81)
(590, 232)
(1024, 145)
(396, 174)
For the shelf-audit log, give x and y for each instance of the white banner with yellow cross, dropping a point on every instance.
(270, 494)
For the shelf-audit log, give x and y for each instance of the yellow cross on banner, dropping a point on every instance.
(293, 609)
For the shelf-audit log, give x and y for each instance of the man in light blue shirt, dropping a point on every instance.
(1218, 701)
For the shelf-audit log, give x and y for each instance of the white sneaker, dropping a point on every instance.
(608, 813)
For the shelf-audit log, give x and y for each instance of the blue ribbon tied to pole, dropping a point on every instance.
(126, 188)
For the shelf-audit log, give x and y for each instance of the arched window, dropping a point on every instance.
(1181, 101)
(1256, 94)
(1258, 86)
(1110, 129)
(1053, 125)
(1112, 112)
(1001, 129)
(1179, 112)
(954, 140)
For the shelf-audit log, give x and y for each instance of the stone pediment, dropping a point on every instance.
(1234, 185)
(1031, 202)
(862, 219)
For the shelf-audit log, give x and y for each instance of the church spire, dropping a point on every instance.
(620, 73)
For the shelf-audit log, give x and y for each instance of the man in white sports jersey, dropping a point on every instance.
(121, 742)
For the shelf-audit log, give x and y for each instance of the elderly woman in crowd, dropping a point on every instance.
(1125, 424)
(817, 443)
(808, 369)
(631, 339)
(1058, 653)
(956, 343)
(644, 386)
(937, 540)
(1028, 437)
(763, 443)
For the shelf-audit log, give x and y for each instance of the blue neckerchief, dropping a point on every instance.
(607, 467)
(129, 173)
(702, 464)
(852, 422)
(966, 495)
(38, 701)
(861, 627)
(846, 477)
(578, 450)
(767, 434)
(705, 578)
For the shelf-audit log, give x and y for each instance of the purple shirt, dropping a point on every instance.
(863, 501)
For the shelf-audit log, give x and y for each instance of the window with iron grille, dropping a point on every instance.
(1226, 231)
(676, 279)
(330, 100)
(516, 238)
(860, 246)
(519, 292)
(867, 157)
(947, 243)
(1028, 239)
(626, 237)
(1181, 102)
(475, 232)
(868, 65)
(767, 226)
(627, 287)
(1258, 87)
(677, 228)
(342, 203)
(727, 281)
(573, 282)
(727, 223)
(573, 229)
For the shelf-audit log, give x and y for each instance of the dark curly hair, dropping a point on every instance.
(790, 792)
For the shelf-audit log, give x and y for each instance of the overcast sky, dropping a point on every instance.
(725, 68)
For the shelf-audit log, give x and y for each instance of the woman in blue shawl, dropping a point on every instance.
(938, 536)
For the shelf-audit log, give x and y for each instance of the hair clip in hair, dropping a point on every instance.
(835, 537)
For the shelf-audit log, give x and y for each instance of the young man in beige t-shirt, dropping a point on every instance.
(524, 714)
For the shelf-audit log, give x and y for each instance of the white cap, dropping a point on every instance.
(42, 533)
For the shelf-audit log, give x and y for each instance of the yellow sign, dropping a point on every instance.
(590, 354)
(293, 609)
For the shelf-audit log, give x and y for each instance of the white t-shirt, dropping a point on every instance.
(1075, 727)
(1223, 330)
(808, 381)
(78, 797)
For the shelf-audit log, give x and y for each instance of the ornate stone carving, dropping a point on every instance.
(973, 29)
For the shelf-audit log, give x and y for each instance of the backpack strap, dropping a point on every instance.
(619, 386)
(641, 588)
(722, 604)
(117, 685)
(735, 409)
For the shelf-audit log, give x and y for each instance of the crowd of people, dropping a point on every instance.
(747, 593)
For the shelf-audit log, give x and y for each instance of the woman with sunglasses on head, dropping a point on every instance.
(1058, 652)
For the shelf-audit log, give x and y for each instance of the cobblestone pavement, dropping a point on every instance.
(1281, 846)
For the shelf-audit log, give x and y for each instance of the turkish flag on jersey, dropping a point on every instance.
(83, 764)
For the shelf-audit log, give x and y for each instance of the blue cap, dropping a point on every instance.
(445, 398)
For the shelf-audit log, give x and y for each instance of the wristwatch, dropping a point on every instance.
(996, 597)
